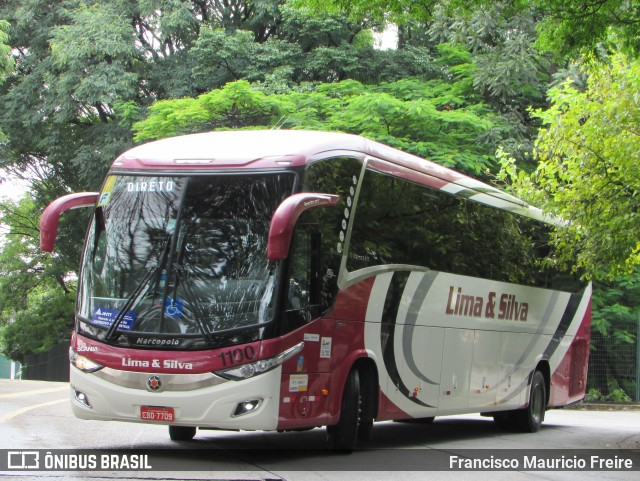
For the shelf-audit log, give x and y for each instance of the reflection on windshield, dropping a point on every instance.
(181, 255)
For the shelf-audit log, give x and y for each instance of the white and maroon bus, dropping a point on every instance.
(283, 280)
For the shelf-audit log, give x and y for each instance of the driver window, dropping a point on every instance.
(299, 293)
(316, 247)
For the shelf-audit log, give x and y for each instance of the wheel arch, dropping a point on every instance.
(369, 385)
(545, 369)
(368, 374)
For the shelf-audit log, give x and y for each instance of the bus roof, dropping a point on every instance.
(268, 149)
(237, 149)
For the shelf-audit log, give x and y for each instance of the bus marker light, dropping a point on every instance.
(324, 392)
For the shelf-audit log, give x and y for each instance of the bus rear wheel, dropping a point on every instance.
(181, 433)
(529, 419)
(344, 435)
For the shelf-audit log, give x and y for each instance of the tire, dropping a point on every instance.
(181, 433)
(504, 420)
(343, 436)
(529, 419)
(365, 430)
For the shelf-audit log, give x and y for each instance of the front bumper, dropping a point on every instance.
(202, 400)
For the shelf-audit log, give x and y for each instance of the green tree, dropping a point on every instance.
(588, 168)
(236, 105)
(45, 320)
(431, 119)
(567, 27)
(36, 291)
(509, 72)
(571, 27)
(6, 63)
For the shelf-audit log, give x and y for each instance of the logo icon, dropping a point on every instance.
(154, 383)
(23, 460)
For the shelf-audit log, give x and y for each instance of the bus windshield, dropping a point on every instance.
(180, 255)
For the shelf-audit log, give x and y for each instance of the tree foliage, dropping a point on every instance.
(588, 157)
(436, 119)
(567, 27)
(571, 27)
(5, 59)
(36, 294)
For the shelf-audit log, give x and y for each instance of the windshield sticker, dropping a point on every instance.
(105, 196)
(298, 382)
(104, 316)
(325, 348)
(300, 364)
(173, 309)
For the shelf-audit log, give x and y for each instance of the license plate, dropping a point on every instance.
(155, 413)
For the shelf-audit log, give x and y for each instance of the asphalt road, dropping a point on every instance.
(36, 416)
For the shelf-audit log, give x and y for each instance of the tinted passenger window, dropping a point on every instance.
(399, 222)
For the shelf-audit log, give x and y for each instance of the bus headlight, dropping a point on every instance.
(245, 371)
(83, 363)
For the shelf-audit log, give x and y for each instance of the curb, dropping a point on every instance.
(588, 406)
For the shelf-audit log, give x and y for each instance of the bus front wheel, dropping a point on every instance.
(344, 435)
(181, 433)
(530, 419)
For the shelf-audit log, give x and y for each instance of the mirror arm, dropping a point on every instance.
(285, 217)
(51, 215)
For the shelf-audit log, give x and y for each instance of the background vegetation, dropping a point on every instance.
(551, 86)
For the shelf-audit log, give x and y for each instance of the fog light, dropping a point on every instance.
(246, 407)
(82, 398)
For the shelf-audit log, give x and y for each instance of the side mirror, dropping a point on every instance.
(285, 217)
(51, 215)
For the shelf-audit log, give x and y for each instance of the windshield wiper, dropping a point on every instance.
(111, 333)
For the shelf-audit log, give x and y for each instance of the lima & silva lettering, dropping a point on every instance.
(508, 308)
(155, 363)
